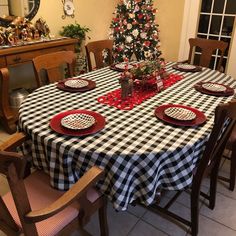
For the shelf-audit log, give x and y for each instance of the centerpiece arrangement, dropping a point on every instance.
(138, 82)
(145, 75)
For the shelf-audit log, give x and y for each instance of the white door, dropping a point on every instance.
(214, 19)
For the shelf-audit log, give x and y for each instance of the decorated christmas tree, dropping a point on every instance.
(134, 31)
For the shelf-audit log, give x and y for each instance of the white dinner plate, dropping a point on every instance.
(180, 113)
(77, 121)
(123, 66)
(186, 66)
(76, 83)
(214, 87)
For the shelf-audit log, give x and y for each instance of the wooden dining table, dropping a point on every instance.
(140, 153)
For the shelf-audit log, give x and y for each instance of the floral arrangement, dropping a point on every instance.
(134, 31)
(148, 69)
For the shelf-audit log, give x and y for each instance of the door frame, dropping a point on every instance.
(189, 30)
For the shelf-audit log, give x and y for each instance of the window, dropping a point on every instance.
(216, 22)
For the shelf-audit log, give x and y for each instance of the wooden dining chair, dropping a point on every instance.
(207, 49)
(208, 165)
(52, 64)
(231, 149)
(97, 48)
(33, 207)
(8, 115)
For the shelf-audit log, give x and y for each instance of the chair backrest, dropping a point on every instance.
(225, 119)
(13, 166)
(52, 63)
(97, 48)
(8, 114)
(208, 47)
(4, 91)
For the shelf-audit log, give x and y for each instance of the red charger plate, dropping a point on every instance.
(228, 92)
(91, 85)
(200, 117)
(55, 123)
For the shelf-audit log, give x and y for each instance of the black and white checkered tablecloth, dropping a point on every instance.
(140, 154)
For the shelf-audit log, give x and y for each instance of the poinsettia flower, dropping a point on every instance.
(129, 39)
(143, 35)
(135, 33)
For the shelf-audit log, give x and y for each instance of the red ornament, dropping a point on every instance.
(119, 49)
(140, 16)
(147, 43)
(116, 19)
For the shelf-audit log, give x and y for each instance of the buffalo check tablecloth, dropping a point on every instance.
(139, 153)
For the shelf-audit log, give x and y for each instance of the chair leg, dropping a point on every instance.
(232, 170)
(9, 125)
(213, 185)
(102, 213)
(194, 213)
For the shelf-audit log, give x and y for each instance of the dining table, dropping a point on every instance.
(139, 153)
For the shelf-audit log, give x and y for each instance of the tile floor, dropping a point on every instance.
(137, 221)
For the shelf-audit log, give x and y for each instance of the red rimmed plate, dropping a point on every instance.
(160, 113)
(228, 92)
(61, 85)
(55, 123)
(186, 67)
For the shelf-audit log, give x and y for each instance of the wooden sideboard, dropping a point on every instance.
(24, 54)
(17, 55)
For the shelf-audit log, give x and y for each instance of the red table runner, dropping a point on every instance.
(113, 98)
